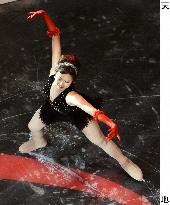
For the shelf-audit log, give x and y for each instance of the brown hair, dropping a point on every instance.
(68, 64)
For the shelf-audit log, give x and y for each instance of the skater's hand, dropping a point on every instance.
(35, 13)
(113, 132)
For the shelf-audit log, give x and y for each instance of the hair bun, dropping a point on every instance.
(71, 58)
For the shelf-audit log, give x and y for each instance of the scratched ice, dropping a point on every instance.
(120, 62)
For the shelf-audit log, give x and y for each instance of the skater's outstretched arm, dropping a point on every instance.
(75, 99)
(52, 32)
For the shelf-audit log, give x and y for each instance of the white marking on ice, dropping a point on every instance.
(15, 116)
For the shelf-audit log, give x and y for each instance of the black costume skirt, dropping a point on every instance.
(79, 118)
(49, 115)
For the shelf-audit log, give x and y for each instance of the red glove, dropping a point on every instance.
(52, 29)
(113, 131)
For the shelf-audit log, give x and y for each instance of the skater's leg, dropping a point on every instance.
(93, 132)
(37, 131)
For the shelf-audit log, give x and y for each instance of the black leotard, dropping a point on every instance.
(59, 110)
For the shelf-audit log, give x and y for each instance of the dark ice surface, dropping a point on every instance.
(117, 43)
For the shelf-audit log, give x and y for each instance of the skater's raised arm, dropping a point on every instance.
(53, 32)
(56, 52)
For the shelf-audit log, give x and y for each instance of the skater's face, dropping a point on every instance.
(63, 81)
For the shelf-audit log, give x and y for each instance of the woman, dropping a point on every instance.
(63, 102)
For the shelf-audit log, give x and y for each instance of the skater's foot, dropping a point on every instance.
(32, 145)
(132, 169)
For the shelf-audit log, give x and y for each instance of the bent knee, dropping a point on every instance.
(35, 126)
(31, 126)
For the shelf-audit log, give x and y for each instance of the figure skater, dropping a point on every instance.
(64, 103)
